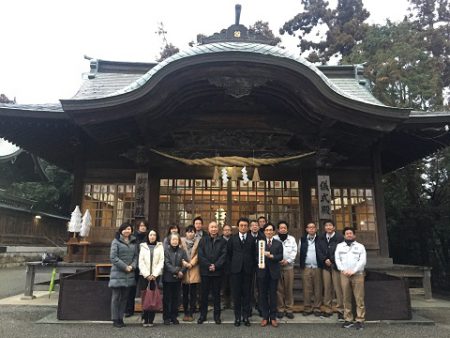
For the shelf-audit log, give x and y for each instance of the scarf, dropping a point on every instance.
(283, 237)
(349, 241)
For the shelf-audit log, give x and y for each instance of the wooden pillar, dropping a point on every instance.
(153, 201)
(379, 201)
(307, 179)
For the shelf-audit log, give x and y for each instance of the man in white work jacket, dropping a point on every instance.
(350, 257)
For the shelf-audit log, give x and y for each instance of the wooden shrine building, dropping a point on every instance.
(152, 140)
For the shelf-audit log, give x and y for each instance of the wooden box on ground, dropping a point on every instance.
(386, 297)
(81, 297)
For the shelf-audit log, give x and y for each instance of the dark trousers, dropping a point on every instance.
(171, 300)
(226, 290)
(119, 302)
(254, 296)
(241, 284)
(210, 283)
(189, 298)
(268, 296)
(132, 294)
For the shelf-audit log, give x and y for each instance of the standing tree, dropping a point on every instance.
(344, 28)
(168, 48)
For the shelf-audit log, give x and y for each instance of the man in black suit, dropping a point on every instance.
(212, 255)
(241, 256)
(256, 234)
(268, 276)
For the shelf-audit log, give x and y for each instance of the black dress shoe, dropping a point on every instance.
(218, 321)
(127, 315)
(201, 320)
(246, 322)
(290, 315)
(237, 323)
(116, 323)
(280, 315)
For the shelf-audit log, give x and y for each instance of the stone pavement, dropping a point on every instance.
(37, 318)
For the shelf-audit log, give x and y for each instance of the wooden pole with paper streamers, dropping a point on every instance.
(86, 224)
(75, 223)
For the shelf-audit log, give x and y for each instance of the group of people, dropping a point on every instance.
(256, 265)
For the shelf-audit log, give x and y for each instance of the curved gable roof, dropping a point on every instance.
(262, 49)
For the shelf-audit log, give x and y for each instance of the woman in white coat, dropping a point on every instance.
(151, 264)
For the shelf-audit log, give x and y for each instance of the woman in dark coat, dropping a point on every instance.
(140, 234)
(175, 266)
(124, 261)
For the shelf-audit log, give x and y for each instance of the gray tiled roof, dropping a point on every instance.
(107, 84)
(352, 89)
(44, 107)
(104, 84)
(349, 88)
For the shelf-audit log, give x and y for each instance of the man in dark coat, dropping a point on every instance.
(241, 257)
(331, 277)
(268, 276)
(212, 255)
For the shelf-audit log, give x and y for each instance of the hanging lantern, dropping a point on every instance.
(244, 175)
(256, 177)
(216, 174)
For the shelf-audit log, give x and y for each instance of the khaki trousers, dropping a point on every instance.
(285, 292)
(312, 285)
(332, 282)
(353, 286)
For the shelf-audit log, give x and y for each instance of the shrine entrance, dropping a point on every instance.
(181, 200)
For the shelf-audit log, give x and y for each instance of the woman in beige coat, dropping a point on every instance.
(151, 264)
(192, 277)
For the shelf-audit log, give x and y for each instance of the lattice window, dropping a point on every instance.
(110, 204)
(350, 207)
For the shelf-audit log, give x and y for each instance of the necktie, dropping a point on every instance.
(328, 239)
(269, 244)
(242, 239)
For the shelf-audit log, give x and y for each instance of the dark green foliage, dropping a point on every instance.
(401, 72)
(53, 196)
(344, 26)
(261, 27)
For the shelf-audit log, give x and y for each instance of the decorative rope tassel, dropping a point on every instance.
(234, 174)
(256, 177)
(216, 174)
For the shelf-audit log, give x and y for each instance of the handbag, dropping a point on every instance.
(151, 299)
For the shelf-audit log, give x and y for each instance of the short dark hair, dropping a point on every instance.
(253, 221)
(269, 225)
(157, 235)
(349, 228)
(227, 225)
(173, 226)
(282, 222)
(243, 219)
(198, 218)
(190, 228)
(328, 221)
(262, 217)
(122, 227)
(142, 221)
(306, 225)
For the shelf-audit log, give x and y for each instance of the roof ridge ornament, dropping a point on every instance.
(238, 33)
(237, 9)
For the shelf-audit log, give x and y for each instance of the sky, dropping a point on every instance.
(44, 42)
